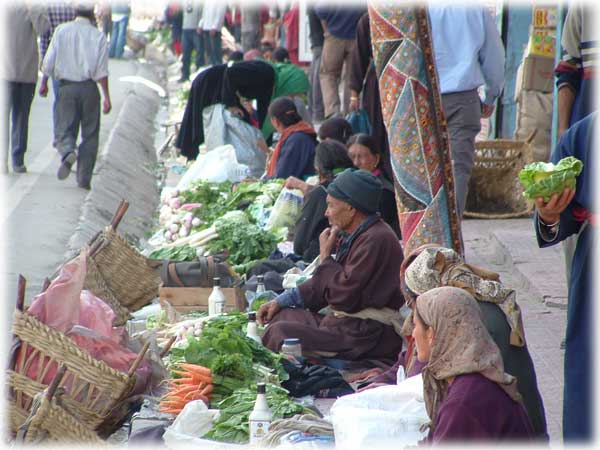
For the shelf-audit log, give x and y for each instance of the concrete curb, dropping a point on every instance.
(125, 169)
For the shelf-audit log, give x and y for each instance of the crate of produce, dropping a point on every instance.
(188, 299)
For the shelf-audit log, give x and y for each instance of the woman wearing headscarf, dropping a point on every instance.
(295, 151)
(467, 394)
(230, 85)
(331, 158)
(431, 266)
(365, 155)
(362, 78)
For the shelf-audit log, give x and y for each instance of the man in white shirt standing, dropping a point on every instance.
(78, 59)
(213, 17)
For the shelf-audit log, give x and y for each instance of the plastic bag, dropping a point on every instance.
(218, 165)
(295, 276)
(286, 210)
(359, 121)
(381, 417)
(223, 128)
(190, 425)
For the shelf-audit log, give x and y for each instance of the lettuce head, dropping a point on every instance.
(541, 179)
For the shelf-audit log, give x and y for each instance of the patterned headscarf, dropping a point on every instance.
(461, 345)
(436, 266)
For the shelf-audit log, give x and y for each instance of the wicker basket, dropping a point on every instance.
(51, 423)
(494, 188)
(93, 391)
(120, 275)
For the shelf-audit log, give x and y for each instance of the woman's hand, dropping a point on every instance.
(296, 183)
(550, 212)
(267, 311)
(327, 241)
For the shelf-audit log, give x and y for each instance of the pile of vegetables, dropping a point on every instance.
(541, 179)
(193, 383)
(218, 218)
(232, 424)
(235, 361)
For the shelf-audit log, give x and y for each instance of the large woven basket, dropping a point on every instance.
(93, 391)
(51, 423)
(494, 188)
(120, 275)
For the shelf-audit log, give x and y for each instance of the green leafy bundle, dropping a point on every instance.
(541, 179)
(232, 425)
(235, 361)
(179, 253)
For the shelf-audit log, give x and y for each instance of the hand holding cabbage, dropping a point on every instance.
(541, 179)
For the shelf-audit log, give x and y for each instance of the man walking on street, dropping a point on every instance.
(118, 35)
(78, 59)
(213, 17)
(18, 72)
(191, 38)
(468, 53)
(339, 27)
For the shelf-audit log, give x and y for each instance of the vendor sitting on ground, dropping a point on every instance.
(365, 155)
(295, 151)
(331, 158)
(467, 394)
(360, 284)
(431, 266)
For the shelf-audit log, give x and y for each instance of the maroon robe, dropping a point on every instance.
(366, 277)
(477, 409)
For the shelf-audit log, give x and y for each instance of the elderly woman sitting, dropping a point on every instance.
(431, 266)
(468, 395)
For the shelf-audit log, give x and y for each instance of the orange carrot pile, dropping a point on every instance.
(195, 384)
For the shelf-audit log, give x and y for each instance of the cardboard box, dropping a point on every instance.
(545, 17)
(542, 42)
(189, 299)
(538, 73)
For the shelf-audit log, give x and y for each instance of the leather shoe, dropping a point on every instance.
(65, 167)
(20, 168)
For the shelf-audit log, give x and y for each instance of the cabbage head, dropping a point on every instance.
(541, 179)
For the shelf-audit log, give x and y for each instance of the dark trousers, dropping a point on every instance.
(213, 48)
(190, 41)
(17, 105)
(78, 105)
(315, 97)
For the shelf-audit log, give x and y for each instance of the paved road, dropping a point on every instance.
(40, 212)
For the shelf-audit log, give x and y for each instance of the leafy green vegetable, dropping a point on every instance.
(232, 425)
(541, 179)
(179, 253)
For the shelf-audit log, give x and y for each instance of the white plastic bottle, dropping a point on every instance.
(260, 417)
(216, 299)
(252, 329)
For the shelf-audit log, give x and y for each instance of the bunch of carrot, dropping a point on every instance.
(195, 384)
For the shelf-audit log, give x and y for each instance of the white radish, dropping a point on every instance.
(196, 222)
(173, 228)
(183, 232)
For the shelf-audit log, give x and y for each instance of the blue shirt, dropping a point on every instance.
(341, 19)
(468, 50)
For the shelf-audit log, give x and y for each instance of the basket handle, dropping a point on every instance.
(121, 210)
(138, 360)
(21, 283)
(168, 345)
(46, 284)
(55, 382)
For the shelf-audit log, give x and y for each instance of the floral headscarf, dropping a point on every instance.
(461, 345)
(436, 266)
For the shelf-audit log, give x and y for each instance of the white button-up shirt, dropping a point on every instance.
(78, 51)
